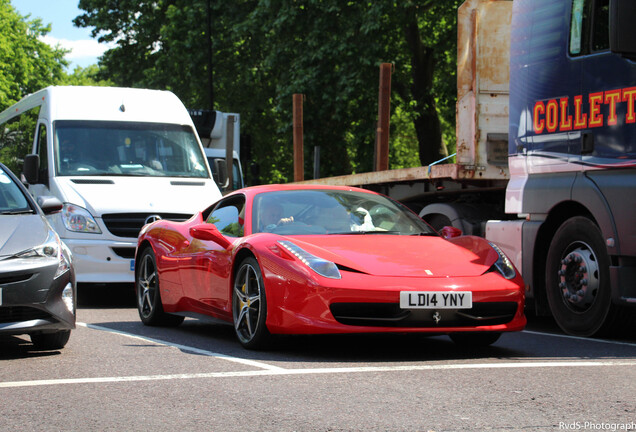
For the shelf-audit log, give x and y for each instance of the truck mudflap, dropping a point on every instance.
(623, 286)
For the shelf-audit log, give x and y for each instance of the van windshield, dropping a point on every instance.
(92, 148)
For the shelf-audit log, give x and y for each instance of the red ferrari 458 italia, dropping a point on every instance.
(291, 259)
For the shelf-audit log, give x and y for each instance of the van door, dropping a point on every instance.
(45, 169)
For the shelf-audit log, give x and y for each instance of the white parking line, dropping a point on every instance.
(184, 347)
(310, 371)
(580, 338)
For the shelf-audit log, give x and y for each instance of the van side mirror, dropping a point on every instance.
(449, 232)
(622, 29)
(49, 204)
(31, 168)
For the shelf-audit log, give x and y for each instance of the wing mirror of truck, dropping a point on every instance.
(449, 232)
(31, 168)
(209, 232)
(220, 173)
(622, 29)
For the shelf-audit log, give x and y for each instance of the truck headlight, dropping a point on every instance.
(79, 219)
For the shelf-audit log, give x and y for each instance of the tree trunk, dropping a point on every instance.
(427, 124)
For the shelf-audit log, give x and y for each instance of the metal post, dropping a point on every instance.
(316, 162)
(299, 173)
(229, 152)
(384, 115)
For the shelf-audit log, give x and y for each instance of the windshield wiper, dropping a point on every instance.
(17, 212)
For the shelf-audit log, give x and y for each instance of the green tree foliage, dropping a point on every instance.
(27, 65)
(264, 51)
(85, 76)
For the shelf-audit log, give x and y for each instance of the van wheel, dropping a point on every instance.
(577, 279)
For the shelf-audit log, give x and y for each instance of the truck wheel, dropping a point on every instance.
(438, 222)
(577, 278)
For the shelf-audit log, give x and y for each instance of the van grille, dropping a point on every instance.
(129, 224)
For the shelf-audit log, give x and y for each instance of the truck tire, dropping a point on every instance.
(438, 221)
(577, 279)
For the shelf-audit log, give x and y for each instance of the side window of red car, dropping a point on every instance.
(229, 217)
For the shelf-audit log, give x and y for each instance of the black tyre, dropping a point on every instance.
(51, 341)
(249, 306)
(148, 294)
(577, 279)
(438, 221)
(474, 340)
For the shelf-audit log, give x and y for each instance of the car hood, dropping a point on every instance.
(21, 232)
(101, 195)
(408, 256)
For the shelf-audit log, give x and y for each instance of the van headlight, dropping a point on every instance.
(79, 219)
(503, 265)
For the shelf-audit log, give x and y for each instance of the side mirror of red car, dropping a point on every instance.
(209, 232)
(449, 232)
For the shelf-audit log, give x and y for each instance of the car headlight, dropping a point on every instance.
(78, 219)
(321, 266)
(51, 248)
(503, 264)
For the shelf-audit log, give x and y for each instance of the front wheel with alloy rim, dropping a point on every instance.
(148, 294)
(577, 279)
(249, 306)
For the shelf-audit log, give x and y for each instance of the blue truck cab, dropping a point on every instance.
(572, 157)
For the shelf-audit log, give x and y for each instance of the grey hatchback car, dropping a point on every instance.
(37, 281)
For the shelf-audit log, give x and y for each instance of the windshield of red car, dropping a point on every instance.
(324, 211)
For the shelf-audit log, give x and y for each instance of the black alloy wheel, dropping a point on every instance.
(249, 306)
(148, 294)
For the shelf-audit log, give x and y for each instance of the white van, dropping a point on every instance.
(117, 158)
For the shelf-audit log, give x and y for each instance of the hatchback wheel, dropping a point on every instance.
(51, 341)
